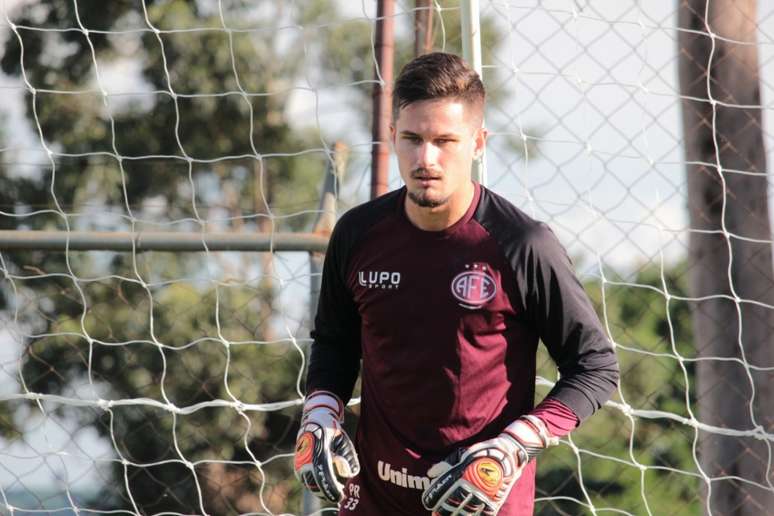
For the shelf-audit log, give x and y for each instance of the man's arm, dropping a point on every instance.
(567, 324)
(324, 452)
(335, 359)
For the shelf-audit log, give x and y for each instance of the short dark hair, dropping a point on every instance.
(438, 75)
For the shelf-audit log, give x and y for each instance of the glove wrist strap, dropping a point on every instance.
(324, 400)
(530, 435)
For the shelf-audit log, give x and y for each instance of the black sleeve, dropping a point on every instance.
(335, 358)
(566, 322)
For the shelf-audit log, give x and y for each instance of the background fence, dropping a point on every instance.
(149, 381)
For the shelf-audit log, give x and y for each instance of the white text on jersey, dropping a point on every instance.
(379, 279)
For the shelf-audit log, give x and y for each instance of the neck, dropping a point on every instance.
(440, 217)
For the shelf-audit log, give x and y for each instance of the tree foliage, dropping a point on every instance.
(206, 134)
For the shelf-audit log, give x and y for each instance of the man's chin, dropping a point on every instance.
(423, 200)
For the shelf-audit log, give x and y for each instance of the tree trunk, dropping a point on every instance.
(728, 204)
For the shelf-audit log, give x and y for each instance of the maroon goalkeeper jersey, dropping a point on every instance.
(447, 325)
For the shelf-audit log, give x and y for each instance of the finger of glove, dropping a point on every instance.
(469, 506)
(451, 460)
(326, 479)
(307, 478)
(323, 482)
(438, 469)
(343, 468)
(476, 505)
(344, 456)
(438, 491)
(457, 500)
(442, 487)
(489, 510)
(309, 481)
(462, 505)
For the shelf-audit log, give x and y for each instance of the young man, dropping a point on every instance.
(443, 289)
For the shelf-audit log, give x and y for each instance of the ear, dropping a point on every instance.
(479, 142)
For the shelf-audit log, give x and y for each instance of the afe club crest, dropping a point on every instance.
(474, 287)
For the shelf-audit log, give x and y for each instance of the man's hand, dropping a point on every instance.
(321, 445)
(477, 480)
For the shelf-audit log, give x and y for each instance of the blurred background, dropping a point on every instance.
(166, 376)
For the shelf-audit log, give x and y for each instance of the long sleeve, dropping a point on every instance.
(566, 323)
(335, 358)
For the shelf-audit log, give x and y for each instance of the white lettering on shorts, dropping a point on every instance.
(388, 473)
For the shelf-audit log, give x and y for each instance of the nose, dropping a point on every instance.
(427, 155)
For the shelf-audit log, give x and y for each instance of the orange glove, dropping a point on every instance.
(477, 480)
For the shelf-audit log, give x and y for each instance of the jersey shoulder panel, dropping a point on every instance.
(511, 228)
(355, 223)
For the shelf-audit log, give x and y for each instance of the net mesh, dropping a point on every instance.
(150, 382)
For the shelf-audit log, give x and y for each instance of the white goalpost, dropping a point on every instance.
(169, 176)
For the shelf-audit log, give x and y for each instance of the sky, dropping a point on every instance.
(594, 88)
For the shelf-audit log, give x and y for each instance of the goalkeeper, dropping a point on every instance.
(443, 289)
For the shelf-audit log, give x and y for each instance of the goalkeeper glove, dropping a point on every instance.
(477, 480)
(321, 445)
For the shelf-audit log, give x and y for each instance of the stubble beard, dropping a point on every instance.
(421, 197)
(422, 200)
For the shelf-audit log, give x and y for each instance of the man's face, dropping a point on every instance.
(436, 141)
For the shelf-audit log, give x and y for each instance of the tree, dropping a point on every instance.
(133, 333)
(729, 217)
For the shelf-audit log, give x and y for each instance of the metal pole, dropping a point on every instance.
(423, 27)
(384, 47)
(174, 241)
(471, 52)
(323, 226)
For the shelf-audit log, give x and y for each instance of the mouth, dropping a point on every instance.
(426, 181)
(426, 178)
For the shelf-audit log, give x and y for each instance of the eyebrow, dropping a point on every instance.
(444, 135)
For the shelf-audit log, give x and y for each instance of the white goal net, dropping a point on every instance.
(170, 381)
